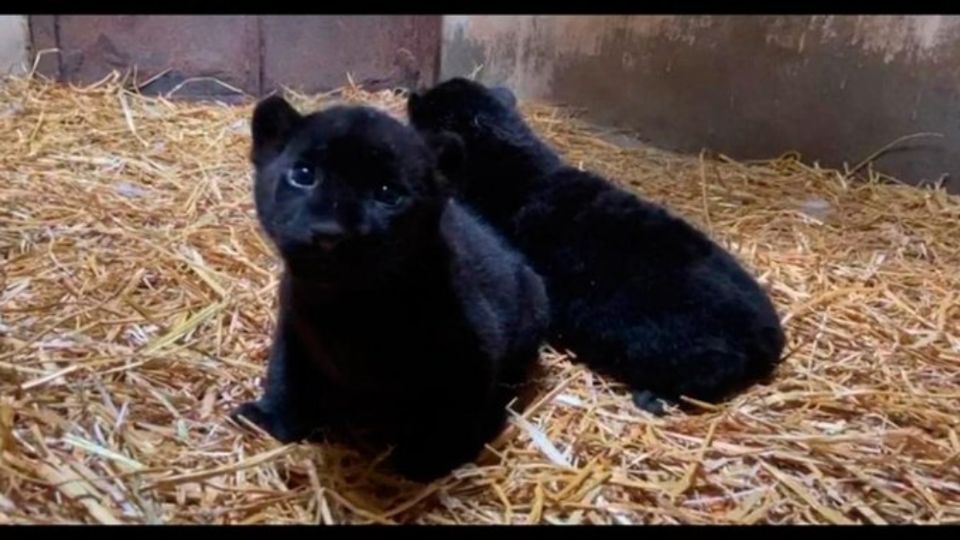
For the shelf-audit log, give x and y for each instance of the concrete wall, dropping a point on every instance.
(835, 88)
(14, 43)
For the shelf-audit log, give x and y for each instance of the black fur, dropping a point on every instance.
(635, 292)
(402, 316)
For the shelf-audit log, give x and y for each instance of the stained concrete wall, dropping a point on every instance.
(835, 88)
(14, 43)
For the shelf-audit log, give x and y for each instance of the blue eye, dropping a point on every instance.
(302, 176)
(388, 195)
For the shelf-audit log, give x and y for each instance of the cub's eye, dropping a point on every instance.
(302, 176)
(388, 195)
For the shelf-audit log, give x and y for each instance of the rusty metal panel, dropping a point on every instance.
(315, 53)
(43, 37)
(184, 46)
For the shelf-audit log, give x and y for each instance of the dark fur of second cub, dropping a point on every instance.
(635, 292)
(401, 314)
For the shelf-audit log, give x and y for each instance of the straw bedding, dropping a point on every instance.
(137, 303)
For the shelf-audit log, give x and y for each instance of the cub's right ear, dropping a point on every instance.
(273, 122)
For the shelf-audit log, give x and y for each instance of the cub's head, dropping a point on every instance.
(467, 108)
(347, 193)
(502, 155)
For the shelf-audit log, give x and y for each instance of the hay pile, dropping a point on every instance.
(137, 301)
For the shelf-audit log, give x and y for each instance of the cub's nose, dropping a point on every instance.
(326, 235)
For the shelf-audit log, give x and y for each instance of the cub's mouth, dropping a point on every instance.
(350, 261)
(309, 262)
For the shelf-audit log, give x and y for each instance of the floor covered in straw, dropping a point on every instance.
(137, 302)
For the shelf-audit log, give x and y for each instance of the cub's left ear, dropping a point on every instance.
(504, 95)
(448, 149)
(274, 121)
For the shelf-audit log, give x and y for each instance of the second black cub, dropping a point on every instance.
(401, 314)
(635, 291)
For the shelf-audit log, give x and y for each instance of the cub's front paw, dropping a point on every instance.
(421, 472)
(283, 429)
(421, 467)
(252, 412)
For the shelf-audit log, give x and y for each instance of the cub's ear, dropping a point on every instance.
(504, 95)
(448, 149)
(273, 122)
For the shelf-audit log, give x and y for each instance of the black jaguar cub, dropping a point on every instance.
(401, 314)
(635, 291)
